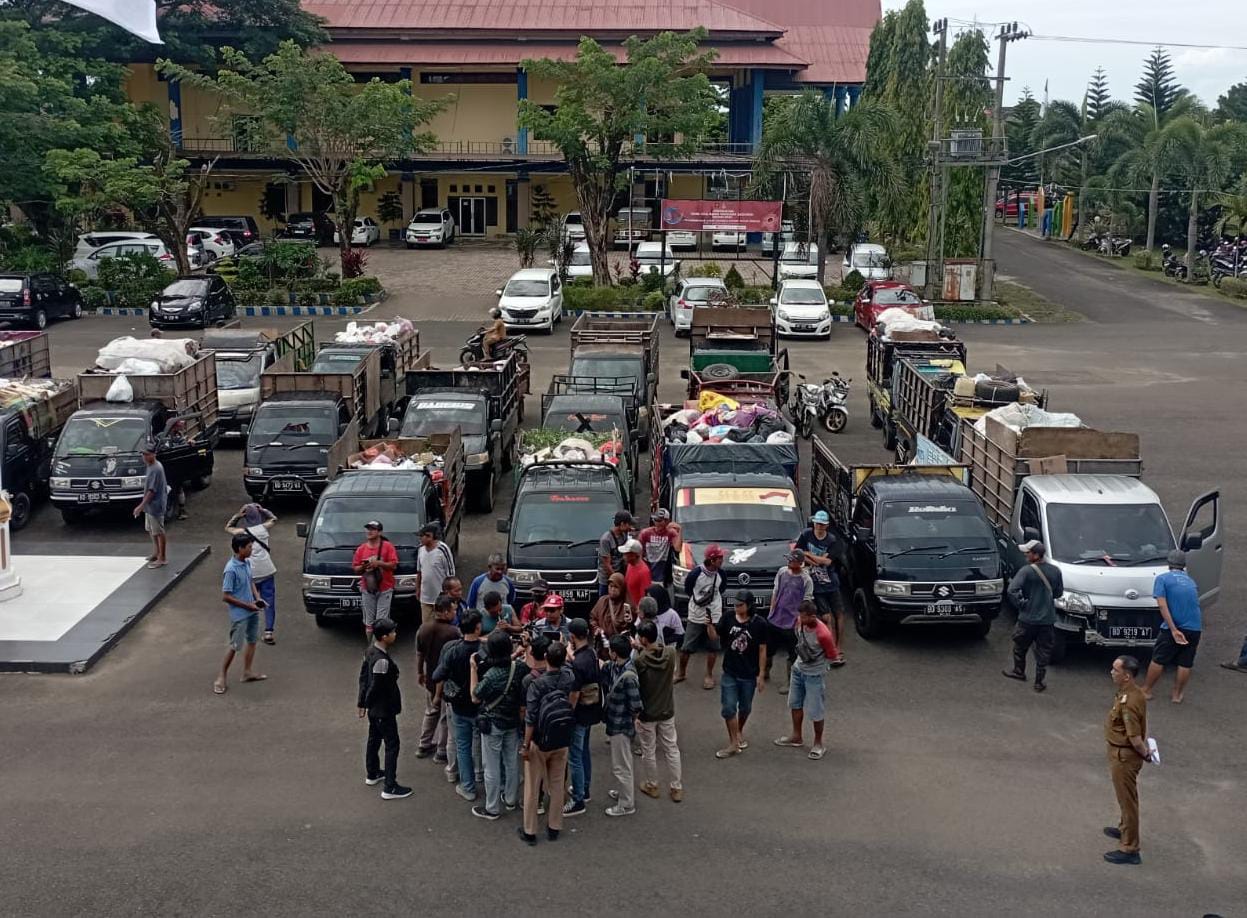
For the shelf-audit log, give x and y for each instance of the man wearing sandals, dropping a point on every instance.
(704, 588)
(256, 522)
(152, 506)
(743, 635)
(238, 592)
(807, 691)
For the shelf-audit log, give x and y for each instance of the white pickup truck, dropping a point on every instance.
(1078, 491)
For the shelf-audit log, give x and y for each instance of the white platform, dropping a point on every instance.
(59, 592)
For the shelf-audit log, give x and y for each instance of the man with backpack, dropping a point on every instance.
(497, 685)
(381, 701)
(548, 728)
(454, 672)
(586, 699)
(1033, 590)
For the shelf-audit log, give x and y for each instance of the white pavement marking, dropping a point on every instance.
(60, 592)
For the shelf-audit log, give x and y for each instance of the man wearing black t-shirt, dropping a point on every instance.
(819, 545)
(742, 635)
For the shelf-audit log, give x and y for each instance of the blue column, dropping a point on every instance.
(521, 93)
(175, 112)
(855, 93)
(842, 97)
(755, 110)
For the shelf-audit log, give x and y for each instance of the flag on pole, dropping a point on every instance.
(135, 16)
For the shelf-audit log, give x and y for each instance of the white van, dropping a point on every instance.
(869, 259)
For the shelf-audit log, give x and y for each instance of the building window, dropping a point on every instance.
(444, 78)
(478, 189)
(491, 189)
(454, 189)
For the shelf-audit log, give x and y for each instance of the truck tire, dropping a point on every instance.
(322, 620)
(983, 628)
(485, 497)
(876, 419)
(719, 371)
(1060, 646)
(203, 482)
(889, 435)
(71, 515)
(20, 504)
(866, 616)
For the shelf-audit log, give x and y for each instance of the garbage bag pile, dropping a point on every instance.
(897, 321)
(557, 445)
(376, 334)
(391, 457)
(1019, 416)
(719, 419)
(147, 356)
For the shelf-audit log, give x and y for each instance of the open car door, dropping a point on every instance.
(1203, 541)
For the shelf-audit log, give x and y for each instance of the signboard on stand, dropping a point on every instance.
(721, 216)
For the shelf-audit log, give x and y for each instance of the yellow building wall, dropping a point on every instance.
(229, 196)
(480, 113)
(142, 85)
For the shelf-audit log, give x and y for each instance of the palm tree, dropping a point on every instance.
(1233, 217)
(845, 158)
(1206, 156)
(1063, 123)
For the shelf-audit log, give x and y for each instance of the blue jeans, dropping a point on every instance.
(736, 696)
(501, 751)
(267, 588)
(580, 764)
(1242, 654)
(463, 750)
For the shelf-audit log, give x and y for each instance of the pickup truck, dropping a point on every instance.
(98, 464)
(404, 500)
(917, 546)
(728, 342)
(883, 351)
(306, 426)
(617, 356)
(396, 357)
(32, 413)
(1077, 490)
(483, 404)
(25, 353)
(596, 414)
(742, 496)
(559, 511)
(241, 356)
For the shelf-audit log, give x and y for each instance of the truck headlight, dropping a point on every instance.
(58, 483)
(1075, 602)
(311, 582)
(679, 573)
(255, 471)
(322, 470)
(891, 588)
(405, 583)
(524, 576)
(135, 482)
(989, 587)
(477, 458)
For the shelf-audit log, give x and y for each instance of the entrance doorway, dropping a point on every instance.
(469, 214)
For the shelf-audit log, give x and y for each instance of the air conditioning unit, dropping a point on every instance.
(508, 144)
(965, 143)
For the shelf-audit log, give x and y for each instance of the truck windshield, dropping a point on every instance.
(607, 366)
(94, 436)
(940, 526)
(336, 363)
(735, 515)
(1108, 534)
(438, 417)
(239, 373)
(293, 426)
(340, 520)
(567, 517)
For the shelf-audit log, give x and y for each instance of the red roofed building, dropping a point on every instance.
(471, 51)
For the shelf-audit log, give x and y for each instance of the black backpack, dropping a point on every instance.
(555, 721)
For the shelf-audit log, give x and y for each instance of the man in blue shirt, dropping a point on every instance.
(239, 594)
(494, 580)
(1178, 597)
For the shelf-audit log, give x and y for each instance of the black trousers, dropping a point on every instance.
(1041, 636)
(778, 639)
(382, 729)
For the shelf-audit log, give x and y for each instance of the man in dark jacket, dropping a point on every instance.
(1033, 591)
(381, 702)
(454, 671)
(655, 669)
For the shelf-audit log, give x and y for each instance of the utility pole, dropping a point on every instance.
(998, 154)
(935, 251)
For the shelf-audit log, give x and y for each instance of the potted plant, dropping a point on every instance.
(390, 210)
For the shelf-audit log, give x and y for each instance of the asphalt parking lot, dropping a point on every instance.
(946, 789)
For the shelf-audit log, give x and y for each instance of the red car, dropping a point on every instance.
(876, 296)
(1007, 207)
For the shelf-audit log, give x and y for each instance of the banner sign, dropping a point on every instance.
(741, 216)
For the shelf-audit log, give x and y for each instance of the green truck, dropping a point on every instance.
(735, 343)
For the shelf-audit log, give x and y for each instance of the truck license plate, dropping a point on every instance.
(574, 595)
(93, 497)
(287, 484)
(349, 603)
(944, 608)
(1131, 632)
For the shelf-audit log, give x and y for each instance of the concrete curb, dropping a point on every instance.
(251, 311)
(844, 320)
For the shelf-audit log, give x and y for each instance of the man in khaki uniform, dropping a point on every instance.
(1126, 733)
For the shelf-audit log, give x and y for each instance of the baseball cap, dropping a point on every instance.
(1034, 545)
(796, 555)
(578, 627)
(821, 517)
(659, 515)
(630, 546)
(552, 601)
(1177, 558)
(713, 551)
(374, 524)
(745, 597)
(540, 586)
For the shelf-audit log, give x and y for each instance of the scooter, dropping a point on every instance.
(1171, 264)
(832, 410)
(804, 406)
(474, 348)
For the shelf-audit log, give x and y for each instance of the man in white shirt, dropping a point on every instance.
(434, 563)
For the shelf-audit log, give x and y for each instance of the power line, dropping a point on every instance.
(1079, 39)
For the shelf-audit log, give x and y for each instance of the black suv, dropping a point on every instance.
(196, 300)
(317, 228)
(241, 230)
(32, 299)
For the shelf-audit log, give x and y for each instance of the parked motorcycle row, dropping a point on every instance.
(1229, 259)
(825, 403)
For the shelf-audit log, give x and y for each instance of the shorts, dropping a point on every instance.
(697, 639)
(154, 524)
(1168, 651)
(829, 603)
(244, 630)
(809, 692)
(736, 695)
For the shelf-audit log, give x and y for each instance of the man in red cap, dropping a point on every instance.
(552, 622)
(704, 586)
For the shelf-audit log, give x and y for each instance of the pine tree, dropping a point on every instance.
(542, 208)
(1019, 130)
(1158, 87)
(1097, 99)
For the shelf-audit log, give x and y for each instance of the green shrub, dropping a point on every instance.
(706, 269)
(841, 309)
(94, 297)
(654, 301)
(277, 296)
(597, 298)
(1146, 261)
(33, 259)
(284, 262)
(367, 284)
(853, 282)
(77, 278)
(732, 279)
(1235, 287)
(308, 298)
(249, 297)
(250, 276)
(840, 293)
(753, 296)
(133, 279)
(651, 281)
(953, 313)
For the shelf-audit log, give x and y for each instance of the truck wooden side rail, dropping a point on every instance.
(1001, 457)
(712, 325)
(191, 392)
(25, 353)
(448, 446)
(500, 384)
(361, 386)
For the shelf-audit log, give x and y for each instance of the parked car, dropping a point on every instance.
(90, 264)
(579, 265)
(532, 298)
(573, 226)
(309, 225)
(241, 230)
(690, 292)
(33, 299)
(787, 233)
(364, 232)
(92, 242)
(192, 300)
(798, 259)
(682, 239)
(869, 259)
(801, 309)
(1007, 206)
(430, 226)
(653, 259)
(876, 296)
(195, 254)
(216, 244)
(727, 240)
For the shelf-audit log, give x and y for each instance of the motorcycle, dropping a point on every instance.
(474, 348)
(820, 402)
(1171, 264)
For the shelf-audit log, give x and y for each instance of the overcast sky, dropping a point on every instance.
(1067, 65)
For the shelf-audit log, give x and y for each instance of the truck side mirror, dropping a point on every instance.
(497, 293)
(684, 374)
(1193, 542)
(392, 426)
(1030, 533)
(864, 532)
(774, 300)
(300, 529)
(495, 426)
(503, 524)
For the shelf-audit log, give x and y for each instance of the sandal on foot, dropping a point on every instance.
(789, 742)
(727, 753)
(707, 683)
(254, 677)
(268, 638)
(219, 689)
(818, 752)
